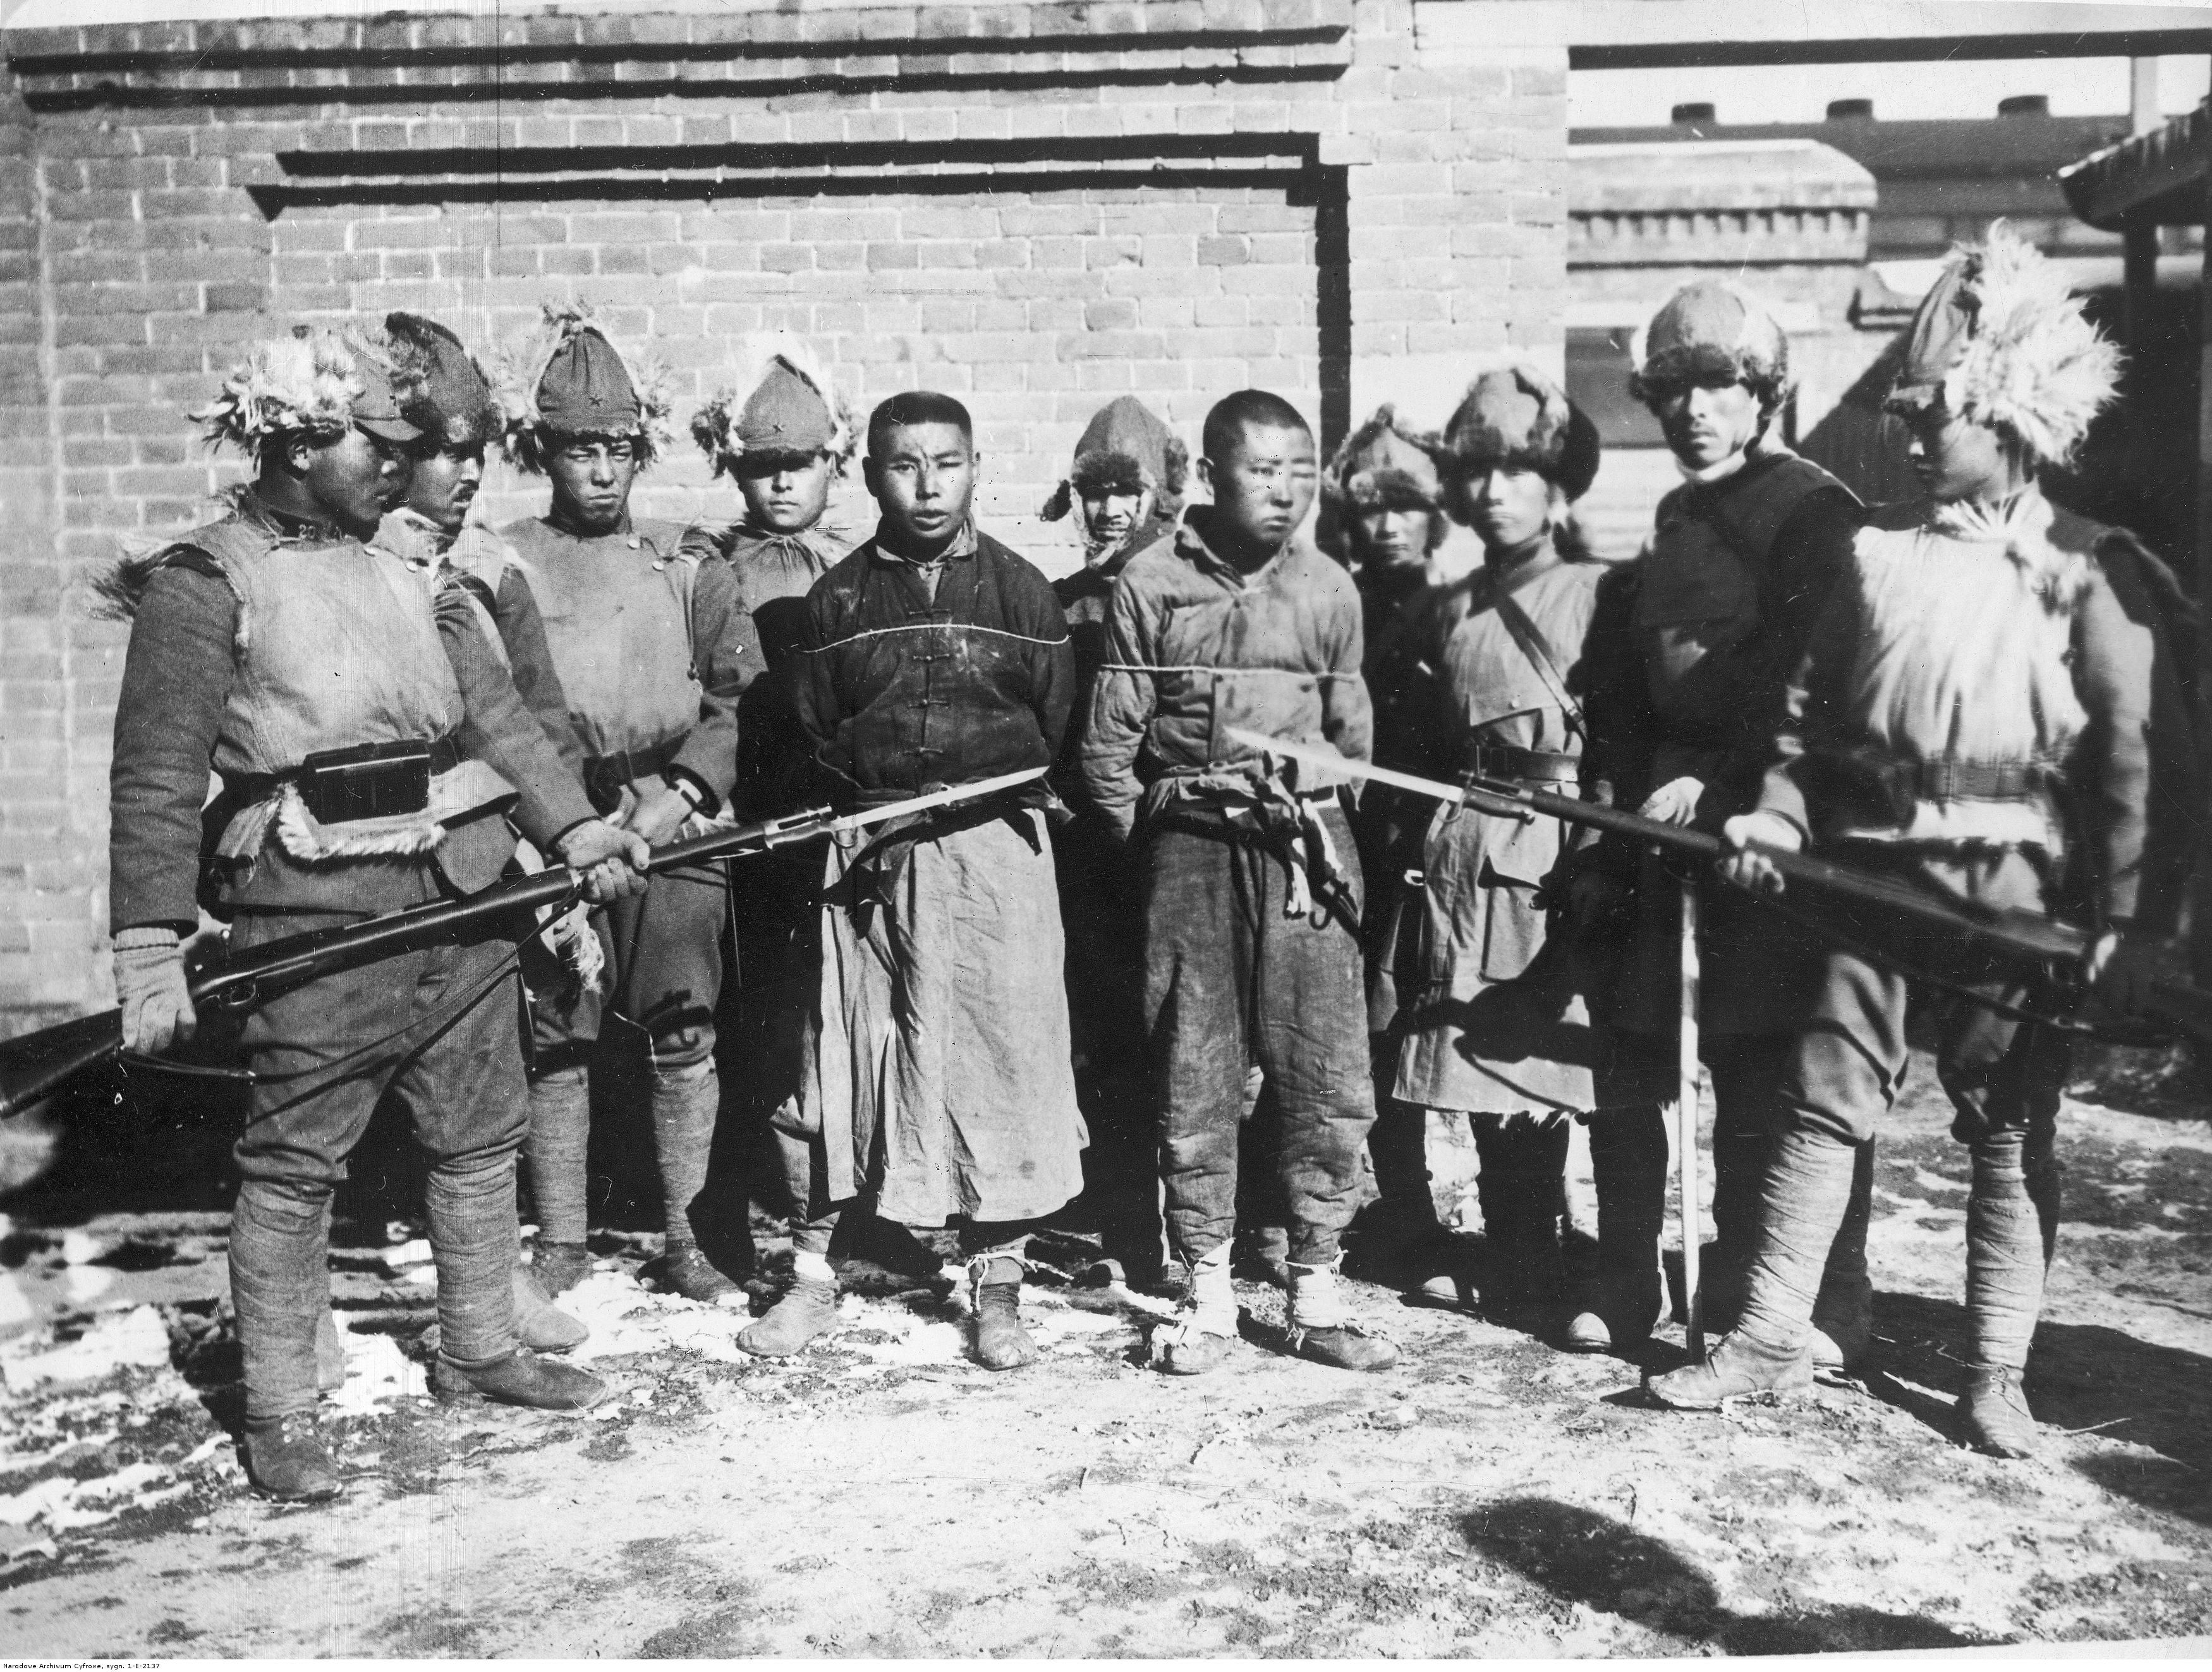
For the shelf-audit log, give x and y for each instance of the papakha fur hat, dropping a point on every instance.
(2001, 340)
(568, 378)
(1517, 418)
(786, 407)
(317, 382)
(1713, 328)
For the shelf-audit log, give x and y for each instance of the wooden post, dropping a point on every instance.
(1685, 1124)
(2139, 266)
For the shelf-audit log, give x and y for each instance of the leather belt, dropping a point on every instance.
(1534, 766)
(369, 781)
(1946, 778)
(605, 775)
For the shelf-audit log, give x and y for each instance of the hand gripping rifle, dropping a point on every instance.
(2020, 937)
(33, 1066)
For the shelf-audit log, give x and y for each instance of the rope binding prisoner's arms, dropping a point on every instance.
(33, 1066)
(2024, 938)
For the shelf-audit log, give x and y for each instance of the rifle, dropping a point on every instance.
(2020, 937)
(34, 1065)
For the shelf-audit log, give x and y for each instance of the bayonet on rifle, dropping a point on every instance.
(33, 1066)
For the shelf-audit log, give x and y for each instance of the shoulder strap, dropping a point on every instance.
(1529, 638)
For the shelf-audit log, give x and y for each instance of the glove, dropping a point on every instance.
(149, 983)
(613, 859)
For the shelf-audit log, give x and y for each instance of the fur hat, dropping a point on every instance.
(1382, 465)
(317, 383)
(566, 379)
(1124, 449)
(456, 403)
(2001, 340)
(792, 410)
(1711, 329)
(1518, 418)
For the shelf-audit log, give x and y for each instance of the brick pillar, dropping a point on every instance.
(49, 858)
(1455, 189)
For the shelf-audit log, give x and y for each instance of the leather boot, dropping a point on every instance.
(807, 1310)
(1001, 1342)
(285, 1459)
(1523, 1197)
(543, 1327)
(1628, 1160)
(520, 1379)
(2012, 1227)
(560, 1266)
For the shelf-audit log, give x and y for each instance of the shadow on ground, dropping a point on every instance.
(1583, 1556)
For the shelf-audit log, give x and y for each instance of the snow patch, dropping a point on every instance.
(135, 1337)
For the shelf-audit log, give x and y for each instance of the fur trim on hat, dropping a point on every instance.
(522, 368)
(1383, 489)
(1759, 357)
(1515, 417)
(305, 385)
(2033, 366)
(714, 426)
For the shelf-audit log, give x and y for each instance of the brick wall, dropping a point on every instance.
(1035, 207)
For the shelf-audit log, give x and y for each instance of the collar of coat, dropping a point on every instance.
(286, 525)
(1191, 544)
(963, 545)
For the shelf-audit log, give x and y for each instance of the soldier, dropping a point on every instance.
(1382, 494)
(362, 767)
(1987, 662)
(653, 652)
(1743, 555)
(1491, 1018)
(937, 1054)
(785, 436)
(1249, 884)
(1126, 484)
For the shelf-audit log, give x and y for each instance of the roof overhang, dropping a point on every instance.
(2154, 179)
(1645, 34)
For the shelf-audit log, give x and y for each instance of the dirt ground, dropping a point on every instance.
(880, 1495)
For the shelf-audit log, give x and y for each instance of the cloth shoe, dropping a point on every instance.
(285, 1459)
(685, 1270)
(1199, 1338)
(1737, 1368)
(543, 1327)
(1001, 1342)
(807, 1310)
(560, 1266)
(1323, 1329)
(520, 1379)
(1994, 1416)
